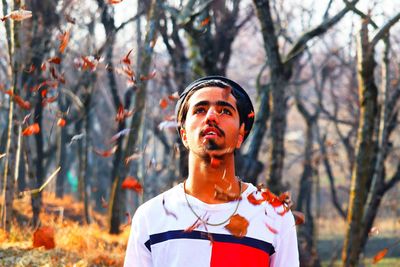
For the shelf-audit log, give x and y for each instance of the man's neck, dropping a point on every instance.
(204, 176)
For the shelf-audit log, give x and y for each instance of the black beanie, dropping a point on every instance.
(243, 101)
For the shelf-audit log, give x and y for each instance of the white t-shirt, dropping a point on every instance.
(158, 237)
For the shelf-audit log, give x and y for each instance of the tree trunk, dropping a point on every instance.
(136, 122)
(364, 150)
(8, 184)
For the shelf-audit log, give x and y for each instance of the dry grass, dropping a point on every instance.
(77, 244)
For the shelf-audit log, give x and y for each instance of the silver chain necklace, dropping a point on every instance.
(200, 218)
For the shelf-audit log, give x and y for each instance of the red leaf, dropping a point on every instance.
(299, 217)
(252, 199)
(132, 184)
(250, 115)
(174, 96)
(31, 129)
(54, 60)
(380, 255)
(104, 203)
(237, 225)
(113, 2)
(43, 66)
(122, 114)
(126, 59)
(31, 69)
(61, 122)
(44, 236)
(105, 153)
(163, 103)
(18, 15)
(194, 226)
(205, 21)
(148, 77)
(22, 103)
(273, 230)
(215, 162)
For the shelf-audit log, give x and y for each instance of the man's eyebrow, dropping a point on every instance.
(218, 103)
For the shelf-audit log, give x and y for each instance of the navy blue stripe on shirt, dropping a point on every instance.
(178, 234)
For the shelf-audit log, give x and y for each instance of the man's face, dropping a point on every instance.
(212, 123)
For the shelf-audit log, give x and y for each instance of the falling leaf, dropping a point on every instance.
(299, 217)
(132, 184)
(205, 21)
(167, 211)
(105, 153)
(119, 134)
(2, 155)
(22, 103)
(104, 203)
(250, 115)
(87, 64)
(61, 122)
(224, 195)
(31, 129)
(69, 19)
(174, 96)
(253, 200)
(47, 100)
(54, 60)
(122, 113)
(18, 15)
(43, 66)
(126, 59)
(163, 103)
(26, 118)
(380, 255)
(237, 225)
(31, 69)
(113, 2)
(44, 236)
(64, 38)
(148, 77)
(134, 156)
(271, 229)
(194, 226)
(215, 162)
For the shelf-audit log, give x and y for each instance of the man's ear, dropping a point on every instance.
(241, 136)
(182, 131)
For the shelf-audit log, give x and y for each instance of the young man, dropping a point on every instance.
(213, 218)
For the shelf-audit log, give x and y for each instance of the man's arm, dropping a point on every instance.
(137, 253)
(286, 251)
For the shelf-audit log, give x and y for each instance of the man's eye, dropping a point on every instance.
(226, 111)
(199, 110)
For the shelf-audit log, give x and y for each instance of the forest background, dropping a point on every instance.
(87, 132)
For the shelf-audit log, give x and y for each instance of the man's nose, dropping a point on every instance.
(212, 115)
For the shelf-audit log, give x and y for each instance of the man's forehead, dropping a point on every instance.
(212, 95)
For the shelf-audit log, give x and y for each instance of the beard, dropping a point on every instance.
(212, 145)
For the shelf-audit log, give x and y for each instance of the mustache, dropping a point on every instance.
(213, 125)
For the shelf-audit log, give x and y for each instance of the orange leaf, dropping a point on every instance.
(43, 66)
(106, 153)
(22, 103)
(64, 41)
(132, 184)
(252, 199)
(54, 60)
(380, 255)
(148, 77)
(163, 103)
(250, 115)
(205, 21)
(126, 59)
(299, 217)
(44, 236)
(31, 129)
(61, 122)
(18, 15)
(113, 2)
(122, 114)
(174, 96)
(237, 225)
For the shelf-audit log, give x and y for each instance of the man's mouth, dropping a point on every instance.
(211, 132)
